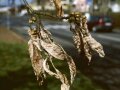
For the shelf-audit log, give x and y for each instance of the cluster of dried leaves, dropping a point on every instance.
(83, 40)
(43, 50)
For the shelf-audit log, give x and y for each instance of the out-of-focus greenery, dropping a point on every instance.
(16, 72)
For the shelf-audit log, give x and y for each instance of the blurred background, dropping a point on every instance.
(103, 17)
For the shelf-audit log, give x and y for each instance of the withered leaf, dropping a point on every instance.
(45, 44)
(84, 41)
(37, 61)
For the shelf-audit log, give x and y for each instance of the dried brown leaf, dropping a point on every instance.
(37, 61)
(83, 40)
(45, 44)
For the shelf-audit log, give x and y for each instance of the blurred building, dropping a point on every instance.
(114, 6)
(65, 4)
(98, 6)
(12, 6)
(104, 6)
(47, 5)
(82, 5)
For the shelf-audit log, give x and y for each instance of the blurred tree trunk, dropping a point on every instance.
(12, 2)
(38, 2)
(42, 3)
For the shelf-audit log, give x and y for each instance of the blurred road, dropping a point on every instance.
(62, 35)
(60, 29)
(61, 32)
